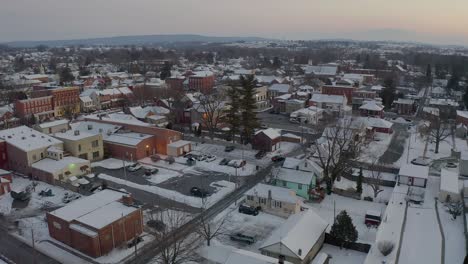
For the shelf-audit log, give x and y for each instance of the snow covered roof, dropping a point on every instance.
(86, 99)
(414, 171)
(379, 122)
(371, 106)
(278, 87)
(277, 193)
(325, 98)
(89, 204)
(320, 70)
(128, 139)
(27, 139)
(321, 258)
(449, 181)
(291, 163)
(404, 101)
(84, 230)
(463, 114)
(300, 232)
(296, 176)
(179, 143)
(228, 255)
(54, 123)
(53, 166)
(106, 214)
(272, 133)
(120, 118)
(95, 128)
(72, 135)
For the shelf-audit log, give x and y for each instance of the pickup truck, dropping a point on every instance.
(242, 238)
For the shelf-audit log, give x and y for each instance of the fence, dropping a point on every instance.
(361, 247)
(382, 182)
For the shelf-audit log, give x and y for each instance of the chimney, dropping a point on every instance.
(77, 132)
(127, 200)
(281, 259)
(90, 127)
(269, 194)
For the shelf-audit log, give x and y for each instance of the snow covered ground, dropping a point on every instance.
(341, 256)
(111, 164)
(222, 189)
(163, 175)
(382, 197)
(376, 148)
(454, 236)
(355, 208)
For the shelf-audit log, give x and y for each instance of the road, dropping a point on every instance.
(19, 252)
(150, 250)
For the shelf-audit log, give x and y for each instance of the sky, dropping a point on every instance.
(433, 21)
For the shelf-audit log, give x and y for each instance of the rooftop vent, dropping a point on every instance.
(23, 138)
(299, 252)
(77, 133)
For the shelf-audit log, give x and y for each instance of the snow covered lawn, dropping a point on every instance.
(340, 256)
(111, 164)
(367, 190)
(222, 189)
(247, 170)
(376, 148)
(355, 208)
(454, 237)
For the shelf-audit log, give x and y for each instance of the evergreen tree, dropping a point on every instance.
(465, 97)
(276, 63)
(343, 229)
(232, 116)
(359, 182)
(389, 92)
(429, 72)
(166, 71)
(66, 75)
(249, 119)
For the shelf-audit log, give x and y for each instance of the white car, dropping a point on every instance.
(210, 158)
(134, 167)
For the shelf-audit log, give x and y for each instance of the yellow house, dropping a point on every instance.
(81, 144)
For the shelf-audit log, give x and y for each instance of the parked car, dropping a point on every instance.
(68, 197)
(201, 157)
(451, 165)
(421, 161)
(263, 126)
(198, 192)
(249, 210)
(224, 162)
(210, 158)
(242, 238)
(260, 154)
(155, 158)
(134, 242)
(277, 158)
(134, 167)
(372, 218)
(156, 224)
(237, 163)
(229, 148)
(149, 172)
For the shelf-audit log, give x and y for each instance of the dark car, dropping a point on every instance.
(249, 210)
(277, 159)
(229, 148)
(260, 154)
(224, 162)
(198, 192)
(134, 242)
(242, 238)
(149, 172)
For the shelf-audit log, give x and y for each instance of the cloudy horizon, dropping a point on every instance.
(430, 21)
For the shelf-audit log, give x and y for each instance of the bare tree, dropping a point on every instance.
(335, 149)
(211, 228)
(437, 130)
(212, 107)
(375, 177)
(176, 248)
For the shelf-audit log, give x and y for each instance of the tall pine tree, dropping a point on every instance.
(359, 182)
(343, 229)
(249, 119)
(232, 116)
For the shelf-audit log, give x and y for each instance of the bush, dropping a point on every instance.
(368, 198)
(385, 247)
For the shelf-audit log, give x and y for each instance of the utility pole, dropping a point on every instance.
(124, 171)
(33, 245)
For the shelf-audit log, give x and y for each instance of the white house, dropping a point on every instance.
(413, 175)
(298, 239)
(221, 254)
(274, 200)
(449, 187)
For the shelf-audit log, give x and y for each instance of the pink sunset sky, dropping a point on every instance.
(433, 21)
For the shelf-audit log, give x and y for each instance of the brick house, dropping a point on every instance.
(340, 90)
(175, 83)
(3, 155)
(462, 117)
(130, 146)
(268, 140)
(97, 224)
(202, 81)
(372, 108)
(404, 106)
(66, 97)
(42, 108)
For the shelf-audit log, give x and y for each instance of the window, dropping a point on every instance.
(299, 186)
(95, 154)
(250, 197)
(95, 144)
(57, 225)
(42, 155)
(79, 147)
(285, 183)
(34, 157)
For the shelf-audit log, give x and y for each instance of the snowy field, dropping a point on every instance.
(343, 256)
(222, 189)
(376, 148)
(454, 236)
(355, 208)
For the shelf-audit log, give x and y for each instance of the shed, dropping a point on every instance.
(413, 175)
(267, 139)
(179, 148)
(449, 187)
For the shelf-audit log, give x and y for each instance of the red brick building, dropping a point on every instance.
(175, 83)
(201, 81)
(130, 146)
(5, 182)
(340, 90)
(98, 223)
(67, 97)
(41, 107)
(404, 106)
(3, 155)
(268, 140)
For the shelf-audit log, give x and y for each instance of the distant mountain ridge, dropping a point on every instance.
(131, 40)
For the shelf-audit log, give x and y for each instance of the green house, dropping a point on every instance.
(299, 181)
